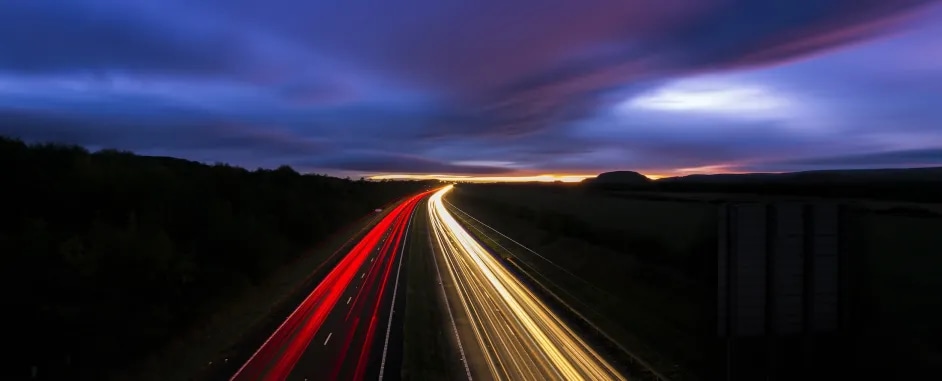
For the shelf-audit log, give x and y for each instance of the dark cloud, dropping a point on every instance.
(913, 158)
(750, 33)
(386, 162)
(516, 71)
(197, 134)
(89, 36)
(726, 35)
(50, 127)
(313, 93)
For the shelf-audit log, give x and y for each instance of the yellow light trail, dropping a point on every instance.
(519, 336)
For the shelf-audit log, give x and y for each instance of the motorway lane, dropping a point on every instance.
(507, 331)
(349, 346)
(341, 330)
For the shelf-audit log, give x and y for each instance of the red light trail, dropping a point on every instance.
(279, 355)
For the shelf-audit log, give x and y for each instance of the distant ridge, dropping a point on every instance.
(930, 174)
(619, 178)
(910, 184)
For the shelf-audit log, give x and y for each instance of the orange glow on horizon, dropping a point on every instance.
(706, 169)
(568, 178)
(540, 178)
(729, 169)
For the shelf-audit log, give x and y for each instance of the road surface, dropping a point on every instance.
(507, 332)
(347, 328)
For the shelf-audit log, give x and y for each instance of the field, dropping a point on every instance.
(624, 264)
(897, 295)
(642, 267)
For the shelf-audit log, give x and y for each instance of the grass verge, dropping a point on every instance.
(618, 314)
(218, 346)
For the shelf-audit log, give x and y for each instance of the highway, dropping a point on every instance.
(507, 332)
(350, 326)
(347, 328)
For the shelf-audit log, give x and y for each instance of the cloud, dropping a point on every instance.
(518, 72)
(714, 36)
(790, 32)
(419, 85)
(194, 135)
(386, 162)
(907, 158)
(316, 93)
(103, 36)
(732, 99)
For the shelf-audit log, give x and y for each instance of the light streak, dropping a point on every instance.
(519, 336)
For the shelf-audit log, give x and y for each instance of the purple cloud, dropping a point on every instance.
(926, 157)
(103, 36)
(195, 134)
(414, 86)
(386, 162)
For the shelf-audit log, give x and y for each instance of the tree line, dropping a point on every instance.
(109, 255)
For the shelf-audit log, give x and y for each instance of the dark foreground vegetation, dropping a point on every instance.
(109, 255)
(643, 265)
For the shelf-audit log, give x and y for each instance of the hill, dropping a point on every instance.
(618, 178)
(908, 184)
(110, 255)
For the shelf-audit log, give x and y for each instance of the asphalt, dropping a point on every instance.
(463, 337)
(431, 351)
(229, 362)
(355, 331)
(359, 335)
(507, 331)
(352, 325)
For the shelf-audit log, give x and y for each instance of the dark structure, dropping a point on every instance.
(781, 294)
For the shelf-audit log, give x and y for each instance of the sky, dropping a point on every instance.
(489, 89)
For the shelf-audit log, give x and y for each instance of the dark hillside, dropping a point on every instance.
(907, 184)
(109, 255)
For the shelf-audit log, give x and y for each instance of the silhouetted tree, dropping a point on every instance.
(110, 254)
